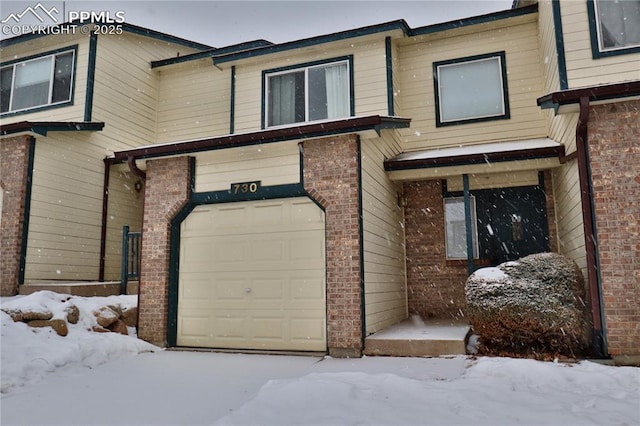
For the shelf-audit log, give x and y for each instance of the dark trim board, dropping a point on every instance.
(134, 29)
(27, 211)
(44, 127)
(91, 75)
(562, 61)
(297, 132)
(463, 160)
(398, 25)
(389, 62)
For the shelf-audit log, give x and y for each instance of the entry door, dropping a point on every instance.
(252, 276)
(517, 221)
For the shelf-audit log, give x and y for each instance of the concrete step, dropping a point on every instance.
(83, 288)
(415, 337)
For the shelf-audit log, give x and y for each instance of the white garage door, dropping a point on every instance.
(252, 276)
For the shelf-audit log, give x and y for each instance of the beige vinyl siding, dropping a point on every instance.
(524, 76)
(272, 164)
(548, 50)
(383, 233)
(582, 69)
(495, 180)
(369, 75)
(194, 101)
(126, 88)
(67, 195)
(74, 112)
(566, 187)
(66, 209)
(125, 208)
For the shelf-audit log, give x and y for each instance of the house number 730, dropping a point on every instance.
(245, 188)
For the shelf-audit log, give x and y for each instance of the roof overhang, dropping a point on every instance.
(41, 128)
(568, 100)
(497, 157)
(366, 126)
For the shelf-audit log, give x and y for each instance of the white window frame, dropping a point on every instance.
(52, 59)
(598, 30)
(459, 255)
(442, 66)
(305, 69)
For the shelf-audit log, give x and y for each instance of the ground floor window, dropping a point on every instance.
(456, 229)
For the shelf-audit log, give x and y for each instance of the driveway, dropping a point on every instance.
(185, 388)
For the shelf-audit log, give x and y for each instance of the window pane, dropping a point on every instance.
(6, 77)
(328, 92)
(31, 87)
(456, 231)
(286, 99)
(471, 90)
(618, 23)
(62, 78)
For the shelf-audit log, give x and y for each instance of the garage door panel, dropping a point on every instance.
(195, 327)
(307, 330)
(253, 274)
(307, 289)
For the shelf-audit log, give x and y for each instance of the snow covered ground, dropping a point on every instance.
(103, 379)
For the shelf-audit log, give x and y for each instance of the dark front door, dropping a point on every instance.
(512, 223)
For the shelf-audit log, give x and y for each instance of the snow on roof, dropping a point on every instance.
(487, 148)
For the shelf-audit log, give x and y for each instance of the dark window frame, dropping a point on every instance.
(594, 32)
(303, 66)
(505, 115)
(50, 105)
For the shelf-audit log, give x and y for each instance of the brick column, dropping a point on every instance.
(614, 150)
(435, 285)
(14, 170)
(331, 176)
(166, 192)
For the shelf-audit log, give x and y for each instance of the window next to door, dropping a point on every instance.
(308, 92)
(36, 82)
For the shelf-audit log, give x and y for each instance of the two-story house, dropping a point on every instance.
(302, 196)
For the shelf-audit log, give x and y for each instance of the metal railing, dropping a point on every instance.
(130, 258)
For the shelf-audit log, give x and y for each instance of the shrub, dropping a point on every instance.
(536, 306)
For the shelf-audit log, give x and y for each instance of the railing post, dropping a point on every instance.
(124, 277)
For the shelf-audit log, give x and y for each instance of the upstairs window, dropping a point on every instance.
(617, 25)
(38, 82)
(309, 93)
(471, 89)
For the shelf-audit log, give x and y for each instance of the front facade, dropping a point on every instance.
(302, 196)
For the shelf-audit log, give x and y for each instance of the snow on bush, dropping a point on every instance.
(534, 306)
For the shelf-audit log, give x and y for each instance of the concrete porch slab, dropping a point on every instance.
(415, 337)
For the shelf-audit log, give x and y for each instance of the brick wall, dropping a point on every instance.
(435, 285)
(614, 149)
(166, 192)
(331, 178)
(14, 162)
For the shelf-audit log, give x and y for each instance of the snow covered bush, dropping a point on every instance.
(535, 306)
